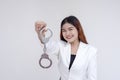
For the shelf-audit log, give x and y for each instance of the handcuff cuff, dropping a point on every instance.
(45, 56)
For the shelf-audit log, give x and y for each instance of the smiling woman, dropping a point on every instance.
(70, 33)
(20, 49)
(77, 59)
(73, 22)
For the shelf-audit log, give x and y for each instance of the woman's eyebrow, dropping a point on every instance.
(62, 29)
(68, 28)
(71, 27)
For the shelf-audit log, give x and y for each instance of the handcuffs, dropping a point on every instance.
(45, 56)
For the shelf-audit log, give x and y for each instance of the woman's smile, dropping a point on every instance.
(69, 36)
(69, 32)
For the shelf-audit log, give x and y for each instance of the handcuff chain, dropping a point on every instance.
(44, 49)
(45, 55)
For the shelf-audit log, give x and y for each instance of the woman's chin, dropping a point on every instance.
(70, 41)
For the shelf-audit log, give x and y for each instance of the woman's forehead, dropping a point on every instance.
(67, 25)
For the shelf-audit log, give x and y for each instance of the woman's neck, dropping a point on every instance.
(74, 43)
(74, 46)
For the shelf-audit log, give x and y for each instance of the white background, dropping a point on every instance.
(20, 49)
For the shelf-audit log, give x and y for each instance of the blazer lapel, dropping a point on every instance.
(79, 56)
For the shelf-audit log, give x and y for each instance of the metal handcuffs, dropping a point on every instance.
(44, 40)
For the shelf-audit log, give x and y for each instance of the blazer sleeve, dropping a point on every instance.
(92, 65)
(52, 47)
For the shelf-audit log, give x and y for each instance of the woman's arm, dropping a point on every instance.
(52, 46)
(40, 25)
(92, 66)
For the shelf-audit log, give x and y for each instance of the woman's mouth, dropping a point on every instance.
(69, 37)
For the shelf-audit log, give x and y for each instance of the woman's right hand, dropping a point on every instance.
(40, 25)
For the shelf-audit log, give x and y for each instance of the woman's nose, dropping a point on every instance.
(67, 33)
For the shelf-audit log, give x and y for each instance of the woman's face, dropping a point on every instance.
(69, 32)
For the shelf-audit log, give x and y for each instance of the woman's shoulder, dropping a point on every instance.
(58, 42)
(62, 43)
(90, 47)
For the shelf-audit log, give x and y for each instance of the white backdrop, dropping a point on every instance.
(20, 49)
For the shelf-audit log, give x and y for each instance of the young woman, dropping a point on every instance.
(76, 58)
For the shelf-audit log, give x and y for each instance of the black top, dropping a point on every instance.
(72, 60)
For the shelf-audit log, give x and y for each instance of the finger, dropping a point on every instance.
(43, 29)
(40, 26)
(40, 23)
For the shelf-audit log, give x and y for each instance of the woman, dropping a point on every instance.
(76, 58)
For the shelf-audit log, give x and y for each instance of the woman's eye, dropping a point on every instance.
(63, 30)
(70, 29)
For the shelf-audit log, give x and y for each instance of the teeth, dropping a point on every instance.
(69, 37)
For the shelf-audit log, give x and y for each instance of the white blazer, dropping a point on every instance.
(84, 66)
